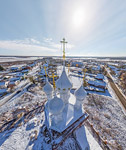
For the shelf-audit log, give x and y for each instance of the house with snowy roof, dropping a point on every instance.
(77, 64)
(19, 75)
(96, 69)
(13, 69)
(25, 71)
(2, 84)
(98, 84)
(99, 77)
(14, 79)
(42, 72)
(12, 82)
(32, 65)
(3, 91)
(27, 67)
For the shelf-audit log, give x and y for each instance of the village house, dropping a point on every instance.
(2, 84)
(19, 75)
(14, 69)
(100, 77)
(3, 91)
(77, 64)
(96, 69)
(25, 71)
(97, 84)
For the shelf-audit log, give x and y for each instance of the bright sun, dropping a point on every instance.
(78, 18)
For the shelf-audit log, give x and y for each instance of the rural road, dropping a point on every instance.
(119, 94)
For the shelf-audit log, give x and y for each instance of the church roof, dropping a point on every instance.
(80, 93)
(48, 87)
(56, 105)
(63, 82)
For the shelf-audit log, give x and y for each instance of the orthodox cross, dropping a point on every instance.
(84, 82)
(63, 42)
(45, 71)
(53, 76)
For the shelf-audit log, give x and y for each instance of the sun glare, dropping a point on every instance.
(78, 18)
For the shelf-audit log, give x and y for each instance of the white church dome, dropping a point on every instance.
(80, 93)
(56, 105)
(63, 82)
(48, 88)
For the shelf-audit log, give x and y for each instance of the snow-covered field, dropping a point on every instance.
(26, 99)
(108, 119)
(11, 59)
(23, 137)
(28, 137)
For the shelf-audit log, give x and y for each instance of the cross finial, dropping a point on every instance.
(64, 42)
(53, 81)
(45, 71)
(53, 76)
(84, 81)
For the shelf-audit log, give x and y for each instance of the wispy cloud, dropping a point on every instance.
(50, 43)
(31, 46)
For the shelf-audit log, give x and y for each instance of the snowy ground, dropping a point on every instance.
(11, 59)
(105, 114)
(27, 135)
(24, 99)
(108, 119)
(22, 138)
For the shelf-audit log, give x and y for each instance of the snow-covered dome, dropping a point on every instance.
(80, 93)
(63, 82)
(48, 88)
(56, 105)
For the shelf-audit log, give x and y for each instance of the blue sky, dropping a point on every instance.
(35, 27)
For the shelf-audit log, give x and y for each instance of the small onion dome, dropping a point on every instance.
(48, 88)
(63, 82)
(80, 93)
(56, 105)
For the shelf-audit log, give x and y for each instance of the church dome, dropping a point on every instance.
(48, 88)
(80, 93)
(56, 105)
(63, 82)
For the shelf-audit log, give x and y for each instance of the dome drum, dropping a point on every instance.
(48, 89)
(80, 95)
(78, 104)
(58, 118)
(56, 105)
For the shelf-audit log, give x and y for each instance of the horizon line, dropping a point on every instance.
(58, 56)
